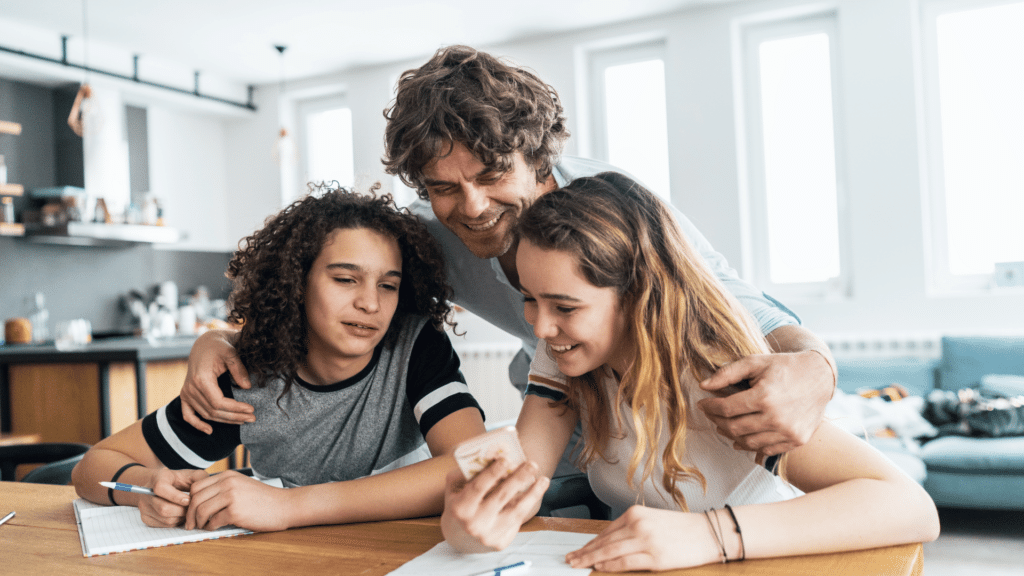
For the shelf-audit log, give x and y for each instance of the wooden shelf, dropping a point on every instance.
(11, 189)
(11, 229)
(10, 127)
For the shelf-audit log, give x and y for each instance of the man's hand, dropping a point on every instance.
(213, 354)
(787, 397)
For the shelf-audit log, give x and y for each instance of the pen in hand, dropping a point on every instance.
(127, 488)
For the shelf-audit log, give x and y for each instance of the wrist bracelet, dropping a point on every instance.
(718, 537)
(743, 546)
(110, 491)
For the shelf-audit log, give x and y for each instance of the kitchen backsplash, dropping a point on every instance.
(82, 282)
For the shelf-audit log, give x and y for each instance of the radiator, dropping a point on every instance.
(485, 367)
(912, 345)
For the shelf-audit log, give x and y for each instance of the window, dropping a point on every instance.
(974, 90)
(325, 140)
(628, 117)
(793, 184)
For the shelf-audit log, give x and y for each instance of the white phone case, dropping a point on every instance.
(475, 454)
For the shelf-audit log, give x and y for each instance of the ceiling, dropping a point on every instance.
(235, 39)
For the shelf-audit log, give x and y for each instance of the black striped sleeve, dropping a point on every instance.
(434, 384)
(180, 446)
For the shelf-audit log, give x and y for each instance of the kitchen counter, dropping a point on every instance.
(86, 394)
(109, 349)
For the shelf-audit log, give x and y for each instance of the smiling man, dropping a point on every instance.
(481, 139)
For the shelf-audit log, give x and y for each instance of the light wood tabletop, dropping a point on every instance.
(42, 539)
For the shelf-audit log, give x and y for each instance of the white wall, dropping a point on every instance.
(186, 172)
(881, 151)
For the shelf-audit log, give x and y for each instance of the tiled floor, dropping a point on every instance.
(982, 542)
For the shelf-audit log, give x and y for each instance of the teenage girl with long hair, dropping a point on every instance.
(630, 320)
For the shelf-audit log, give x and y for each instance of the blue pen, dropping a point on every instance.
(126, 488)
(510, 570)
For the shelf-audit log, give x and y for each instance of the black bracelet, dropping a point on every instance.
(743, 547)
(110, 491)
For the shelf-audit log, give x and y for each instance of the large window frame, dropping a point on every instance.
(753, 178)
(940, 279)
(309, 107)
(598, 60)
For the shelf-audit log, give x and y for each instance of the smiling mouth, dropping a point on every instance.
(483, 227)
(563, 348)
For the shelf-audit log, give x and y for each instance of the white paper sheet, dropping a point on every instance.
(110, 529)
(546, 549)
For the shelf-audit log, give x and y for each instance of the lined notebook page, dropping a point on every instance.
(546, 549)
(109, 529)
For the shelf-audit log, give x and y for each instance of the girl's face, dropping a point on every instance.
(582, 325)
(352, 294)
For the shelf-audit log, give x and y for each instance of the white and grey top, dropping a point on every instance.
(733, 476)
(372, 422)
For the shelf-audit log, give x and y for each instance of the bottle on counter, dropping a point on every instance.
(7, 213)
(40, 320)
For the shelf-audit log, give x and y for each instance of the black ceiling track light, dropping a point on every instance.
(134, 77)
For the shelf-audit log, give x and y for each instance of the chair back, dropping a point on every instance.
(57, 458)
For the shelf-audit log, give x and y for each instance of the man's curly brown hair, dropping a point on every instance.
(270, 269)
(492, 108)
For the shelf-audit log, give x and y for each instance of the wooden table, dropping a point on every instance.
(43, 540)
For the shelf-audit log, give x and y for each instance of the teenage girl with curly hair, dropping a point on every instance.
(343, 300)
(631, 320)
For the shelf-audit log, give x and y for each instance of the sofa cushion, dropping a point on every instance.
(966, 359)
(977, 456)
(1008, 385)
(917, 375)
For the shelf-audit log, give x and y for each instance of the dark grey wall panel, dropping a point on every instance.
(84, 282)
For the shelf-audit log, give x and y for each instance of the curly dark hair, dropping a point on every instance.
(492, 108)
(270, 269)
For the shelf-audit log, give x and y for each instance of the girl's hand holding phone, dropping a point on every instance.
(491, 494)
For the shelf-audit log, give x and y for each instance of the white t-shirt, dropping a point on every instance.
(733, 476)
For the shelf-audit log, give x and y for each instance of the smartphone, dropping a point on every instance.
(475, 454)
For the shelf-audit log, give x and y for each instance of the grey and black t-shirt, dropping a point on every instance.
(372, 422)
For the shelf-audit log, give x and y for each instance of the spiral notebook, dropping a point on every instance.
(109, 529)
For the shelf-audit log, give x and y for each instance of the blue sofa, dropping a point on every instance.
(961, 472)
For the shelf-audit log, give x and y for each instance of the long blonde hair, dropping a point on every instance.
(680, 315)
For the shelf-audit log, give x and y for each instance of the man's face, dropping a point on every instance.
(482, 208)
